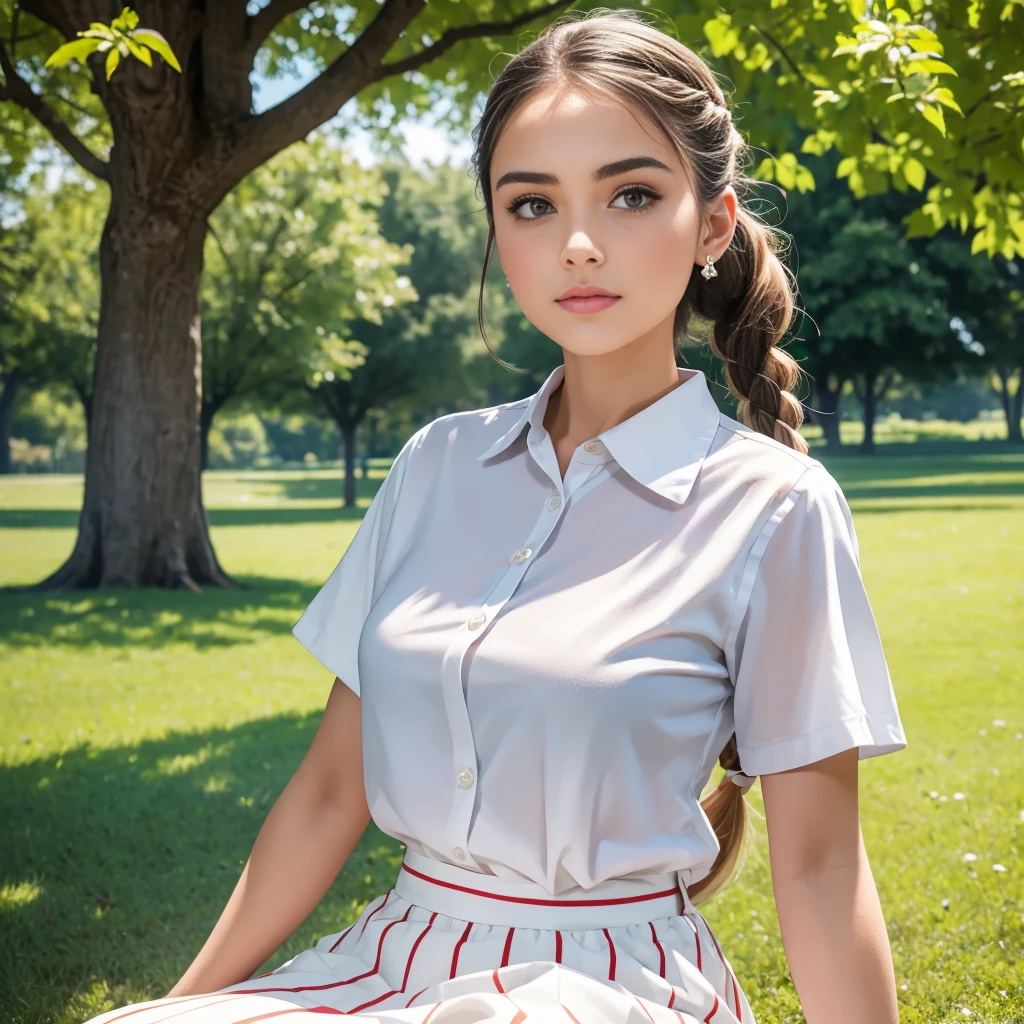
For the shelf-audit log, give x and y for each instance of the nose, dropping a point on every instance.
(580, 250)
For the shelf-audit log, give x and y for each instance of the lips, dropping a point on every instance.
(585, 292)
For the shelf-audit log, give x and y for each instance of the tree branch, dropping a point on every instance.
(359, 66)
(455, 35)
(261, 24)
(293, 119)
(17, 90)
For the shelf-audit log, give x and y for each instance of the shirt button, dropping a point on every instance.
(522, 555)
(554, 501)
(464, 778)
(459, 853)
(590, 447)
(476, 621)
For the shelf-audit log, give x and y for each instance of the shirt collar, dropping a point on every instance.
(661, 447)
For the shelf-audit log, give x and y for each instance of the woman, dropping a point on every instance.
(559, 613)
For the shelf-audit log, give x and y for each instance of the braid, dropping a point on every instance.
(751, 305)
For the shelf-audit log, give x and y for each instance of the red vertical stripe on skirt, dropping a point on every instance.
(661, 965)
(374, 911)
(661, 950)
(696, 939)
(508, 948)
(611, 955)
(335, 984)
(571, 1015)
(405, 977)
(644, 1008)
(728, 971)
(558, 947)
(458, 946)
(342, 936)
(497, 981)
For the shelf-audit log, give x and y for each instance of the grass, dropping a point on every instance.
(144, 736)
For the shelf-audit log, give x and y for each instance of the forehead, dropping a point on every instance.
(565, 127)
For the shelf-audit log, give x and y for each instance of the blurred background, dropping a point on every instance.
(238, 270)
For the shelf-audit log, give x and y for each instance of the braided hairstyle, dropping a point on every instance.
(748, 306)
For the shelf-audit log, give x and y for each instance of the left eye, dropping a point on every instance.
(634, 193)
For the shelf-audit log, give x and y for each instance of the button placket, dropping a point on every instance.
(477, 624)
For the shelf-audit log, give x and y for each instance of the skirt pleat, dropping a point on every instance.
(400, 963)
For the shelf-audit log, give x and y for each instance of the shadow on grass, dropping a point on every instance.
(116, 863)
(152, 618)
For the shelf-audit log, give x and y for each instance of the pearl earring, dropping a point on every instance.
(709, 269)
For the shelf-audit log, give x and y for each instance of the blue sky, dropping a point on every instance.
(423, 143)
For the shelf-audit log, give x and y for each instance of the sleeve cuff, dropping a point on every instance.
(312, 638)
(871, 737)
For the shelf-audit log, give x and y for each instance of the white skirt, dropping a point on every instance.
(448, 945)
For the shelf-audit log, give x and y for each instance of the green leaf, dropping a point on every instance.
(138, 52)
(935, 67)
(914, 172)
(113, 59)
(933, 115)
(126, 20)
(151, 38)
(77, 49)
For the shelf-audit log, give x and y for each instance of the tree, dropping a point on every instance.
(413, 353)
(294, 255)
(179, 143)
(988, 308)
(49, 291)
(877, 301)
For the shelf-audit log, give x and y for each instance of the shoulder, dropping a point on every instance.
(746, 469)
(748, 458)
(468, 432)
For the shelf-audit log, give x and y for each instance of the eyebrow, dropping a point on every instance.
(607, 171)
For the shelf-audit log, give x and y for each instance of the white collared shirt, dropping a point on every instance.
(549, 669)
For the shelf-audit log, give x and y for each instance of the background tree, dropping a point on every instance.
(294, 254)
(49, 291)
(987, 303)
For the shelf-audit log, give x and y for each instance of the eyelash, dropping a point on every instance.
(645, 190)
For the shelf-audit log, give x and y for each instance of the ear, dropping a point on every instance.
(719, 226)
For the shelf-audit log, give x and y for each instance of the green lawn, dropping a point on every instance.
(143, 737)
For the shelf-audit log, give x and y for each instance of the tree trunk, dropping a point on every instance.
(206, 414)
(869, 404)
(827, 413)
(142, 521)
(9, 382)
(1012, 402)
(348, 444)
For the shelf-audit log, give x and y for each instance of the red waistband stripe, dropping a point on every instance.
(612, 901)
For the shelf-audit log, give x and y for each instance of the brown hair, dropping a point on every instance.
(748, 306)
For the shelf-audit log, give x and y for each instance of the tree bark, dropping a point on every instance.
(1012, 402)
(827, 413)
(873, 391)
(9, 382)
(348, 446)
(142, 521)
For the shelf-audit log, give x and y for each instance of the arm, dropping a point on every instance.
(303, 844)
(831, 920)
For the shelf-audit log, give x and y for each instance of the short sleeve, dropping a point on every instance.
(331, 625)
(805, 656)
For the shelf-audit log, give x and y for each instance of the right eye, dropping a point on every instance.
(529, 203)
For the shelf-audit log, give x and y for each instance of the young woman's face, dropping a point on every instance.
(634, 232)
